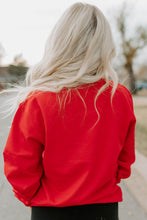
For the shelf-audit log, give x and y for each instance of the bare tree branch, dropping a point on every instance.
(131, 46)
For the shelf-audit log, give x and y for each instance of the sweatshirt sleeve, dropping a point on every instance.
(127, 155)
(23, 151)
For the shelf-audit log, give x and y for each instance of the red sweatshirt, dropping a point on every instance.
(54, 157)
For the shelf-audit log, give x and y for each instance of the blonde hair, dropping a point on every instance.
(78, 51)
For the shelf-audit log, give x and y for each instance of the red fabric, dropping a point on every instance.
(55, 157)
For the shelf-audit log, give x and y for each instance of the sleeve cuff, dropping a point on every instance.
(21, 198)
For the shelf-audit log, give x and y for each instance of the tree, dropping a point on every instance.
(19, 60)
(2, 53)
(130, 46)
(19, 71)
(18, 67)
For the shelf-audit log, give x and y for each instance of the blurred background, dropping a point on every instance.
(24, 29)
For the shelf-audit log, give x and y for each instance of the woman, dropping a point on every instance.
(72, 137)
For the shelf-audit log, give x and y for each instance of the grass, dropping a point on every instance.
(141, 127)
(142, 93)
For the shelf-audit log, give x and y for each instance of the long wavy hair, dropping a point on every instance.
(78, 51)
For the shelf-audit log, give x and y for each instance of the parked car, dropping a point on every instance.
(141, 84)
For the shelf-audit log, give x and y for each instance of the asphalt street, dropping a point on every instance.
(13, 209)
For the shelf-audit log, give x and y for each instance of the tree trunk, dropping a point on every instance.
(132, 79)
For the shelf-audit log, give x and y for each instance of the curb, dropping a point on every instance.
(137, 183)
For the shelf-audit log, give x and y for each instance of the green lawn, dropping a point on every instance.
(141, 127)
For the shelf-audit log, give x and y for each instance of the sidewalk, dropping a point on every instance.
(137, 183)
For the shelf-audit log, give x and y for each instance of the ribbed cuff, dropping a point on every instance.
(21, 198)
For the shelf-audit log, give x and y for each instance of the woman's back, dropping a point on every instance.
(82, 164)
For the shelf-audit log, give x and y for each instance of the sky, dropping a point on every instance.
(25, 24)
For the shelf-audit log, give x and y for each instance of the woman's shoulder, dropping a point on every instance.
(40, 94)
(44, 99)
(124, 98)
(124, 93)
(123, 89)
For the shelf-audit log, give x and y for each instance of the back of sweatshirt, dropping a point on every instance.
(57, 155)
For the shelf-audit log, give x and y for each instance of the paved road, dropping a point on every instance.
(12, 209)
